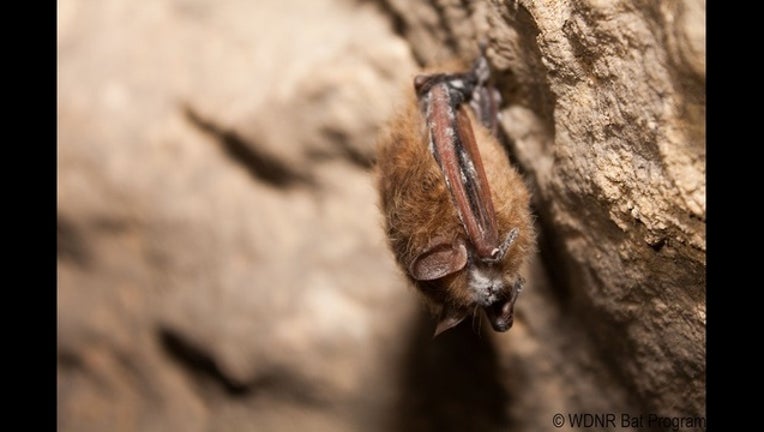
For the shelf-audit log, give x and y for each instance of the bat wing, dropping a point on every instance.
(453, 145)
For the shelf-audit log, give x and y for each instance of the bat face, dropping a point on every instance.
(458, 226)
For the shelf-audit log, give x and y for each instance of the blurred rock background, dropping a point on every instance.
(221, 261)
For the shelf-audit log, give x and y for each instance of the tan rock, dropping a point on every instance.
(221, 260)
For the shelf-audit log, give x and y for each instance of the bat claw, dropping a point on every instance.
(511, 237)
(480, 68)
(518, 286)
(500, 252)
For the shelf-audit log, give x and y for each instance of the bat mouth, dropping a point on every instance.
(501, 314)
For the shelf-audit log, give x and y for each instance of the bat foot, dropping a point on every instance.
(460, 85)
(480, 67)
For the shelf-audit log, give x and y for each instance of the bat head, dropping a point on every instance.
(484, 284)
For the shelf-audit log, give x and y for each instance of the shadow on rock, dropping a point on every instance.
(452, 382)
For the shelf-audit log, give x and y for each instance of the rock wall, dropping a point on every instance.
(605, 110)
(221, 260)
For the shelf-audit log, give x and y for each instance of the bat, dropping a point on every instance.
(457, 214)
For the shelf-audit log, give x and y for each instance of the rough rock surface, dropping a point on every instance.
(605, 110)
(221, 261)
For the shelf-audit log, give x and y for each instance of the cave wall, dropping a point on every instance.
(604, 108)
(221, 258)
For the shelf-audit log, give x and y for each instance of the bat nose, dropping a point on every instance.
(502, 325)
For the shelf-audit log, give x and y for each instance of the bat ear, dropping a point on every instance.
(438, 260)
(449, 319)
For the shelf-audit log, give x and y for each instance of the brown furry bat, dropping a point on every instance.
(457, 213)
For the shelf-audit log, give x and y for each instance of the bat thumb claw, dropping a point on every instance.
(419, 82)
